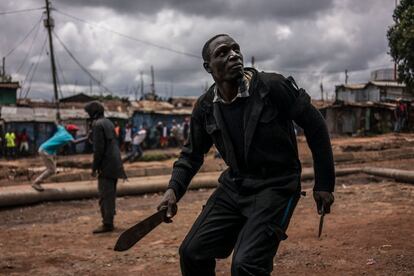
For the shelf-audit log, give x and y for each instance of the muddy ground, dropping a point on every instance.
(368, 233)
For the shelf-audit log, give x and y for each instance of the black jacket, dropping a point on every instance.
(106, 155)
(270, 147)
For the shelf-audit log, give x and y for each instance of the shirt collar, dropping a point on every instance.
(243, 90)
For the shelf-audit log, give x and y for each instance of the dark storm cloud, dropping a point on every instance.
(216, 8)
(311, 40)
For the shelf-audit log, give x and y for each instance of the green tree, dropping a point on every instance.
(401, 41)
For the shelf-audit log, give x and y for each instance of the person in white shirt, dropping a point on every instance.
(128, 137)
(137, 139)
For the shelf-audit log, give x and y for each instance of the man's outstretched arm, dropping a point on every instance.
(317, 137)
(189, 162)
(80, 140)
(298, 107)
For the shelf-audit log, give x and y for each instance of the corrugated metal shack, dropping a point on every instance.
(372, 91)
(39, 122)
(359, 118)
(152, 112)
(8, 92)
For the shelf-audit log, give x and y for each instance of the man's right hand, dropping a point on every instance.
(323, 200)
(169, 202)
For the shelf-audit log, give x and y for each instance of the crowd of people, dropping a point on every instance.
(14, 144)
(158, 136)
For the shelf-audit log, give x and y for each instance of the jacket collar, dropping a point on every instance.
(258, 92)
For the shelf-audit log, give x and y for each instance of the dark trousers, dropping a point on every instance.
(134, 154)
(107, 196)
(10, 152)
(253, 225)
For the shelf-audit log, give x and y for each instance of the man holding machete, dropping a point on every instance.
(248, 115)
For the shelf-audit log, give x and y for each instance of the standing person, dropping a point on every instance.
(186, 128)
(24, 143)
(1, 145)
(107, 163)
(400, 115)
(10, 138)
(137, 139)
(175, 134)
(48, 151)
(164, 135)
(248, 115)
(154, 138)
(117, 129)
(2, 140)
(159, 129)
(128, 137)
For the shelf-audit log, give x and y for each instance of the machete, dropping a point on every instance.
(134, 234)
(321, 222)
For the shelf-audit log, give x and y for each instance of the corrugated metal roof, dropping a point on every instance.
(116, 114)
(390, 106)
(14, 85)
(388, 83)
(353, 86)
(359, 86)
(16, 114)
(41, 114)
(73, 114)
(159, 107)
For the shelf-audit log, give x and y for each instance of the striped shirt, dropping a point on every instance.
(243, 90)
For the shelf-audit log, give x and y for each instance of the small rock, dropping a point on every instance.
(371, 261)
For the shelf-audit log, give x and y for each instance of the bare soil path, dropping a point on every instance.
(369, 233)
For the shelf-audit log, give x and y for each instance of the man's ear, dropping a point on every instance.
(207, 67)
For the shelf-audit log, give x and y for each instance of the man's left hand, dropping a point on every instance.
(323, 200)
(94, 174)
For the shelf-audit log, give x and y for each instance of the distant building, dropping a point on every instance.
(366, 108)
(77, 98)
(8, 90)
(381, 88)
(344, 118)
(152, 112)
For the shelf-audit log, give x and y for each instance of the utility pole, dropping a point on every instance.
(395, 63)
(142, 85)
(321, 87)
(152, 81)
(3, 73)
(253, 61)
(49, 24)
(346, 76)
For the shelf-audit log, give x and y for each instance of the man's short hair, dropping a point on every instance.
(205, 53)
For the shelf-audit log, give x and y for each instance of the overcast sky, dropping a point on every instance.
(314, 41)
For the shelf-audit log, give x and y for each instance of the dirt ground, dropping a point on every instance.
(368, 233)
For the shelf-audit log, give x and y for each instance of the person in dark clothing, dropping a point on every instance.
(248, 115)
(400, 115)
(186, 128)
(107, 164)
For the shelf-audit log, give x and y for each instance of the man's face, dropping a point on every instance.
(226, 60)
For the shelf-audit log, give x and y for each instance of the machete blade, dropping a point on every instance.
(134, 234)
(321, 223)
